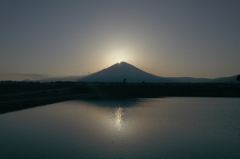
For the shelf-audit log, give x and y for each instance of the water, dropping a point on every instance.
(168, 128)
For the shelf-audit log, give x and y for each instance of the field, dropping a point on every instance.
(21, 95)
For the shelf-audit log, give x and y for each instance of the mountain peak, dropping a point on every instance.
(122, 63)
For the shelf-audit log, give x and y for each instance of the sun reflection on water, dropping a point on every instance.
(118, 118)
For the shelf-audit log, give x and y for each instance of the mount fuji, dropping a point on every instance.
(123, 71)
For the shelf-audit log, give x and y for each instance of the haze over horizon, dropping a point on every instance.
(167, 38)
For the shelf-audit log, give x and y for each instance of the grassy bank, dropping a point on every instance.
(21, 95)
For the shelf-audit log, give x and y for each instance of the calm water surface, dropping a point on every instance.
(167, 128)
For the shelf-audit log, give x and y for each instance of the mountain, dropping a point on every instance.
(190, 80)
(62, 78)
(117, 73)
(231, 79)
(120, 71)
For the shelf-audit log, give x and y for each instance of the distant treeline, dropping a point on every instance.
(19, 95)
(125, 89)
(106, 90)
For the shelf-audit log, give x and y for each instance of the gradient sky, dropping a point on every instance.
(169, 38)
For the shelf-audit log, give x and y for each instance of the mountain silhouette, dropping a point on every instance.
(231, 79)
(123, 71)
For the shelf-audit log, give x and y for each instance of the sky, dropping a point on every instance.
(168, 38)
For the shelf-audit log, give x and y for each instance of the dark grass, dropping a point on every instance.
(21, 95)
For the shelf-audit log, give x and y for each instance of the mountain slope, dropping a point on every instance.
(189, 80)
(120, 71)
(231, 79)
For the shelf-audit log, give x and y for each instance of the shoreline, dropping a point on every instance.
(22, 95)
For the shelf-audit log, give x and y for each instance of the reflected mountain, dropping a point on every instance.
(161, 128)
(119, 111)
(124, 103)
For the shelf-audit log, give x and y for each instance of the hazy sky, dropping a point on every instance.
(169, 38)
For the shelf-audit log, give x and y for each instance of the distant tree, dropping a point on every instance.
(238, 78)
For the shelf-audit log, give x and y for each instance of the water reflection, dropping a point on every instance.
(150, 128)
(118, 117)
(115, 112)
(126, 103)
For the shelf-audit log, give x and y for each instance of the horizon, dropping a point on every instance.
(43, 77)
(198, 39)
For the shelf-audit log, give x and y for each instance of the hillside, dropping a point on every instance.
(120, 71)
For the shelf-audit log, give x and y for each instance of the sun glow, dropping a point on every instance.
(119, 56)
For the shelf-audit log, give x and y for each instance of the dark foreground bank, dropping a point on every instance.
(21, 95)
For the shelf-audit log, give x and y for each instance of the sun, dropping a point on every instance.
(118, 55)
